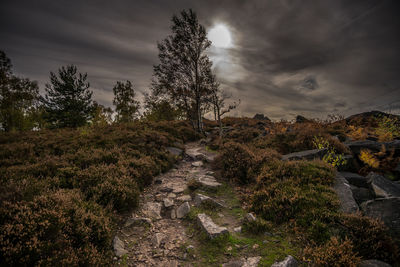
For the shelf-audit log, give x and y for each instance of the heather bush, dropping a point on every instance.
(55, 229)
(59, 187)
(335, 252)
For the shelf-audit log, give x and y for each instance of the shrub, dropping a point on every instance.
(335, 252)
(388, 128)
(236, 160)
(56, 229)
(259, 226)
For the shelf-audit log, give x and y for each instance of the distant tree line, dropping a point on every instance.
(183, 87)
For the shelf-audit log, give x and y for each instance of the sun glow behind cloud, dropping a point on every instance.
(220, 36)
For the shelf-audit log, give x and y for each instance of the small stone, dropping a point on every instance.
(183, 210)
(173, 214)
(197, 164)
(189, 248)
(119, 247)
(168, 202)
(209, 226)
(184, 198)
(158, 239)
(137, 221)
(237, 229)
(152, 210)
(229, 248)
(255, 246)
(171, 195)
(289, 261)
(250, 217)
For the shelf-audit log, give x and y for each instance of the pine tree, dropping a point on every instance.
(68, 100)
(126, 107)
(182, 72)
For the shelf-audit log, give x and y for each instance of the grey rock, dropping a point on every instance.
(166, 189)
(250, 217)
(386, 209)
(211, 229)
(235, 263)
(373, 263)
(184, 198)
(197, 164)
(361, 194)
(237, 229)
(355, 179)
(137, 221)
(357, 146)
(201, 199)
(307, 154)
(173, 214)
(158, 239)
(345, 195)
(171, 195)
(183, 210)
(177, 189)
(168, 202)
(174, 151)
(152, 210)
(289, 261)
(383, 187)
(249, 262)
(208, 181)
(119, 247)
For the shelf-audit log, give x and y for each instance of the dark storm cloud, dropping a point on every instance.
(289, 57)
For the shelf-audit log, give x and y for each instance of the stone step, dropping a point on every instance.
(211, 229)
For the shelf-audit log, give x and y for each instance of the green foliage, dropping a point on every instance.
(126, 106)
(388, 128)
(18, 99)
(68, 100)
(331, 156)
(59, 187)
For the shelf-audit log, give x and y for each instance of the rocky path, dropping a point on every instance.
(188, 218)
(156, 235)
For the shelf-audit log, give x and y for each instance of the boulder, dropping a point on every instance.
(355, 179)
(119, 247)
(357, 146)
(260, 116)
(361, 194)
(137, 221)
(152, 210)
(345, 195)
(385, 209)
(289, 261)
(301, 119)
(174, 151)
(183, 210)
(373, 263)
(383, 187)
(211, 229)
(307, 154)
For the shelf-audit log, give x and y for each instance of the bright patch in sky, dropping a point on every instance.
(220, 36)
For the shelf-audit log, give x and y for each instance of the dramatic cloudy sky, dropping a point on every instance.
(287, 57)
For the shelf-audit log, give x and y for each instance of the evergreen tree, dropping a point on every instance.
(18, 99)
(68, 100)
(182, 72)
(126, 107)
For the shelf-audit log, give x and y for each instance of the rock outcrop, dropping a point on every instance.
(383, 187)
(211, 229)
(289, 261)
(345, 195)
(385, 209)
(307, 154)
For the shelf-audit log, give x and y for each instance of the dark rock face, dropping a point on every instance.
(383, 187)
(357, 146)
(259, 116)
(174, 151)
(345, 195)
(386, 209)
(307, 154)
(355, 179)
(373, 263)
(361, 194)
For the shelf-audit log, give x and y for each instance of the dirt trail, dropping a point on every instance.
(154, 236)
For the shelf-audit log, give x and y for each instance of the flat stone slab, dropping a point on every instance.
(249, 262)
(201, 199)
(345, 195)
(289, 261)
(386, 209)
(361, 194)
(184, 198)
(168, 202)
(137, 221)
(355, 179)
(208, 181)
(211, 229)
(307, 154)
(119, 247)
(152, 210)
(357, 146)
(174, 151)
(383, 187)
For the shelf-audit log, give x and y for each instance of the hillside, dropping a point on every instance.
(145, 194)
